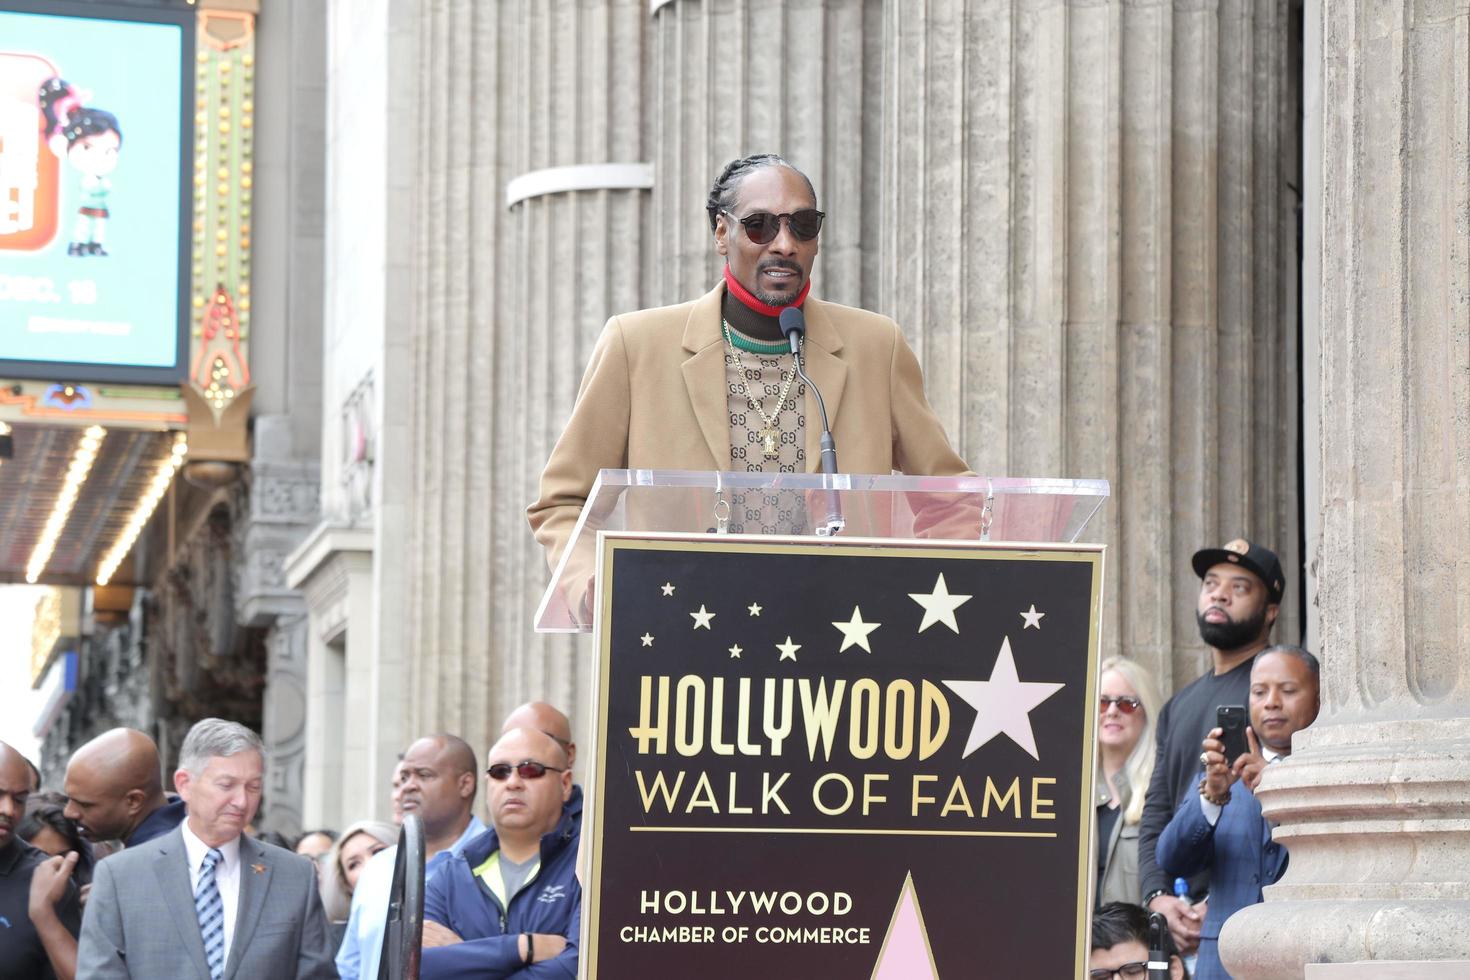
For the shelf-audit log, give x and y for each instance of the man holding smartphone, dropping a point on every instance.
(1222, 830)
(1240, 593)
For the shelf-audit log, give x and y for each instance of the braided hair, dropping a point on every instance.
(722, 193)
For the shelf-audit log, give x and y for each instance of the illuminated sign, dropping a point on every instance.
(94, 136)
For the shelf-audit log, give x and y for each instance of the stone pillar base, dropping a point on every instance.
(1401, 970)
(1275, 940)
(1373, 813)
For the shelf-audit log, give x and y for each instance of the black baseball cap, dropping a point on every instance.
(1248, 555)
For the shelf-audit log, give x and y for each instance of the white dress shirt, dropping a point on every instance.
(226, 876)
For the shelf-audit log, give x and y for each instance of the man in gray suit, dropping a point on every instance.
(206, 901)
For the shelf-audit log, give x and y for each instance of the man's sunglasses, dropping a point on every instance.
(1125, 704)
(1128, 971)
(762, 227)
(526, 770)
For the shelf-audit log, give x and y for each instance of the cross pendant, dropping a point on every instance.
(768, 443)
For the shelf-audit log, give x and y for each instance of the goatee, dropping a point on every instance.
(1231, 634)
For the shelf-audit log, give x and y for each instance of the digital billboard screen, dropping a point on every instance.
(94, 136)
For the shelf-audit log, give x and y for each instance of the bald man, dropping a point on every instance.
(543, 717)
(39, 910)
(437, 779)
(114, 785)
(510, 905)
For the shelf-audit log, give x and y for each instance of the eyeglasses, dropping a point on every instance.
(762, 227)
(526, 770)
(1125, 704)
(1128, 971)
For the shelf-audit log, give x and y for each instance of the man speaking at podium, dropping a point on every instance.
(710, 384)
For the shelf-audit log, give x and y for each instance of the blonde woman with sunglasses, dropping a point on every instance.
(1128, 703)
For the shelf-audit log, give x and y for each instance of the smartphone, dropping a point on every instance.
(1231, 719)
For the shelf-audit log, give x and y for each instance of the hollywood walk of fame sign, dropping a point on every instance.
(858, 760)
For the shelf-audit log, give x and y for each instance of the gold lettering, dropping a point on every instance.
(649, 730)
(703, 795)
(869, 797)
(933, 718)
(734, 807)
(660, 786)
(689, 724)
(821, 714)
(717, 743)
(817, 794)
(743, 735)
(918, 798)
(898, 728)
(957, 790)
(1012, 794)
(862, 740)
(772, 794)
(1037, 802)
(776, 732)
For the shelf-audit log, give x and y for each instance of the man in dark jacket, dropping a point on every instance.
(114, 788)
(1240, 593)
(510, 905)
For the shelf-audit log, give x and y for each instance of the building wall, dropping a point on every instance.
(1083, 216)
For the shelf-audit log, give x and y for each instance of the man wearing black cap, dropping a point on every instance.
(1239, 598)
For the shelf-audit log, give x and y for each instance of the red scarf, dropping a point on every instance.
(745, 296)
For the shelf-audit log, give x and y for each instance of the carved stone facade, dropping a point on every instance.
(216, 633)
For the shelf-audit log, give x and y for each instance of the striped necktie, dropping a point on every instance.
(211, 910)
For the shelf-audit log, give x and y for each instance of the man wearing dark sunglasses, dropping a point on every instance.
(709, 384)
(511, 904)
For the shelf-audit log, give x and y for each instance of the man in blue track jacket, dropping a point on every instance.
(510, 905)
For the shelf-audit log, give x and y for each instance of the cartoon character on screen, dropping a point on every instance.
(89, 140)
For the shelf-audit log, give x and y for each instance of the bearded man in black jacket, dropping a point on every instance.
(1239, 598)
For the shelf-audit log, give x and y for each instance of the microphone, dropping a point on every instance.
(1158, 962)
(793, 325)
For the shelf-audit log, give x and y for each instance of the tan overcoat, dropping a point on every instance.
(654, 397)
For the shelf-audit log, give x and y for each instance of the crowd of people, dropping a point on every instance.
(1179, 831)
(190, 888)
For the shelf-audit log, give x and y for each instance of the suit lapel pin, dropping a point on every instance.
(258, 868)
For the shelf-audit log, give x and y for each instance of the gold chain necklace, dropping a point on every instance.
(770, 434)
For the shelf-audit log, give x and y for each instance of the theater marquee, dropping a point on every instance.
(841, 761)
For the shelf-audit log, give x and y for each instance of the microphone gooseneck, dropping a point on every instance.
(793, 325)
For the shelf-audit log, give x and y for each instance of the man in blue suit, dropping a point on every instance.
(1222, 828)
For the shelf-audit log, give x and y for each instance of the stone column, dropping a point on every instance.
(1087, 234)
(1374, 804)
(533, 201)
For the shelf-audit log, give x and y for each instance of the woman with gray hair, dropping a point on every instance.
(1128, 704)
(345, 861)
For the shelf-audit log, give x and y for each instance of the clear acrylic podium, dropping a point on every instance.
(842, 508)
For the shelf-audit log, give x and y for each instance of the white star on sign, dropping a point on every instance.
(647, 639)
(1032, 618)
(702, 618)
(939, 605)
(736, 651)
(1003, 704)
(668, 588)
(855, 631)
(788, 650)
(755, 608)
